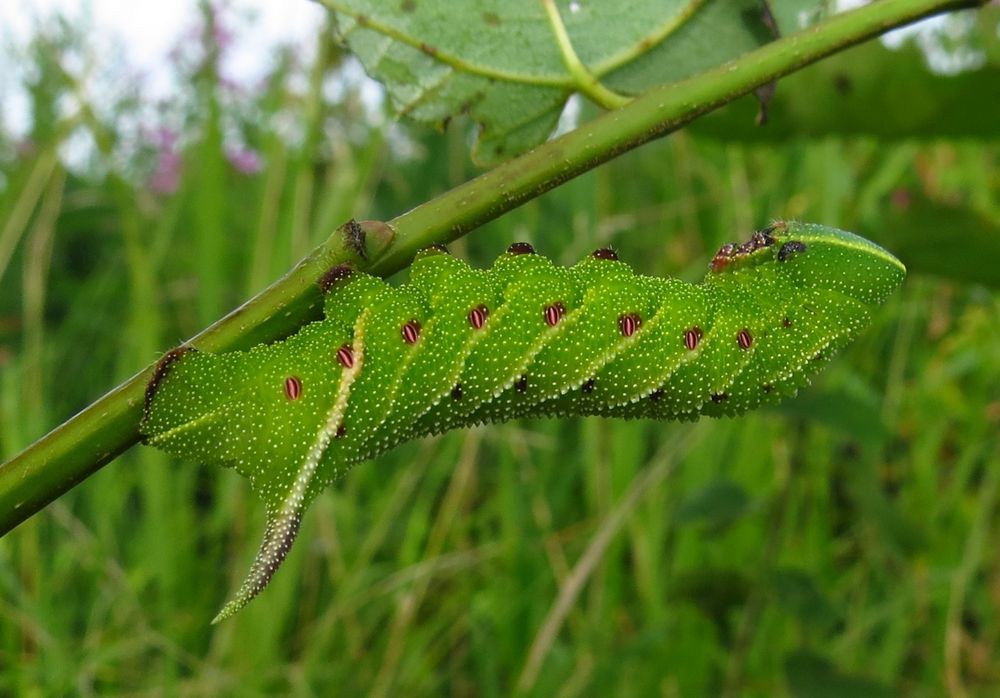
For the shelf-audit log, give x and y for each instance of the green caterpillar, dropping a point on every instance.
(458, 346)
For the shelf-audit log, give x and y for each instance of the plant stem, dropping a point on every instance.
(84, 443)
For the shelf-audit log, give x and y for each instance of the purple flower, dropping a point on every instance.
(164, 137)
(25, 148)
(244, 160)
(222, 35)
(167, 174)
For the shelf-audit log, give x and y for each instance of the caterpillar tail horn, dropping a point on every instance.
(282, 527)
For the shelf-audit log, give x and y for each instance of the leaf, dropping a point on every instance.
(512, 66)
(814, 676)
(852, 410)
(796, 592)
(715, 591)
(717, 505)
(873, 91)
(943, 240)
(792, 15)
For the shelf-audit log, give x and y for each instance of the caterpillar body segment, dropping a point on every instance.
(458, 346)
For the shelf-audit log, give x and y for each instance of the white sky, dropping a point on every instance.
(148, 29)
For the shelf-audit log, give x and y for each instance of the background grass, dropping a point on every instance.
(845, 542)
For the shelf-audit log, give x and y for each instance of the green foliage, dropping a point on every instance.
(541, 555)
(870, 90)
(512, 66)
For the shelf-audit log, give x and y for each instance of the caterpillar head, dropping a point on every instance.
(815, 256)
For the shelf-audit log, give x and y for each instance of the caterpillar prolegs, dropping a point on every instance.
(458, 346)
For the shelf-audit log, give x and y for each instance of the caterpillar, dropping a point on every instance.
(457, 346)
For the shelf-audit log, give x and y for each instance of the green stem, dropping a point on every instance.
(84, 443)
(586, 83)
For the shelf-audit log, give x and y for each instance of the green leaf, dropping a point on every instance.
(717, 505)
(852, 410)
(715, 591)
(512, 66)
(797, 593)
(873, 91)
(944, 240)
(814, 676)
(792, 15)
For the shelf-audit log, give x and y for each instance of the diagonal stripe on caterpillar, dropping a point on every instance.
(458, 346)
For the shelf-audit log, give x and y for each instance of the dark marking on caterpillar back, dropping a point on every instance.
(354, 238)
(163, 367)
(656, 394)
(554, 313)
(629, 323)
(345, 355)
(411, 332)
(293, 388)
(719, 397)
(767, 387)
(605, 253)
(587, 387)
(520, 248)
(522, 384)
(478, 315)
(789, 249)
(768, 231)
(333, 276)
(744, 339)
(758, 241)
(437, 247)
(731, 251)
(786, 322)
(692, 337)
(341, 431)
(723, 256)
(456, 392)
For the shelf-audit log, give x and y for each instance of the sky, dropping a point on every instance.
(150, 27)
(147, 30)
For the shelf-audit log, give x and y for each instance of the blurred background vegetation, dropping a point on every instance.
(846, 542)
